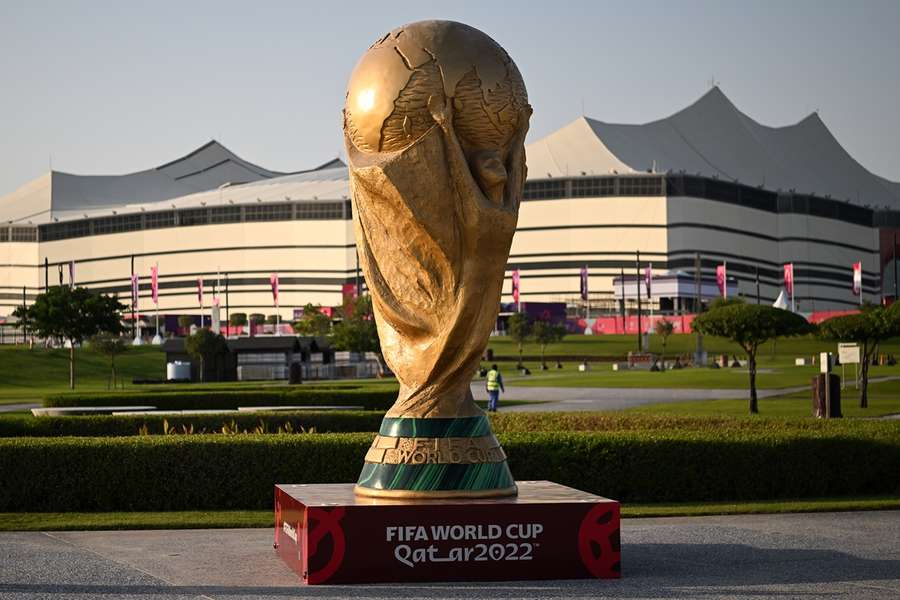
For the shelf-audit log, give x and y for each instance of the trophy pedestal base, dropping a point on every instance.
(329, 535)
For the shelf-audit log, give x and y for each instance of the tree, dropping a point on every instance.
(749, 325)
(519, 328)
(272, 319)
(109, 345)
(72, 314)
(544, 333)
(357, 331)
(314, 322)
(664, 328)
(205, 346)
(867, 328)
(238, 319)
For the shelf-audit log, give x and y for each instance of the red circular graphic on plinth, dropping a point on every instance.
(328, 524)
(598, 532)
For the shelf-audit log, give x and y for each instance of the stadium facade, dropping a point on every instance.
(708, 182)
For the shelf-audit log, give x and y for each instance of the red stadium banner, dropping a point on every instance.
(857, 278)
(200, 291)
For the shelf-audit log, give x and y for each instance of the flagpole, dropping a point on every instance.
(725, 279)
(135, 291)
(622, 279)
(133, 319)
(218, 302)
(637, 285)
(273, 283)
(277, 320)
(793, 290)
(894, 258)
(650, 296)
(154, 289)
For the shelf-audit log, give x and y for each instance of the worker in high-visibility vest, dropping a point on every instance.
(494, 385)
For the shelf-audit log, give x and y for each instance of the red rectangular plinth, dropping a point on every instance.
(327, 534)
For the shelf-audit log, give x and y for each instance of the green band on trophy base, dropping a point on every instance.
(435, 428)
(434, 458)
(436, 477)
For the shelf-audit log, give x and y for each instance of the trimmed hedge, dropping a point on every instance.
(125, 425)
(369, 421)
(512, 422)
(370, 398)
(238, 472)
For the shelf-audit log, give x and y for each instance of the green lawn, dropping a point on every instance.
(617, 346)
(264, 518)
(884, 399)
(774, 374)
(29, 375)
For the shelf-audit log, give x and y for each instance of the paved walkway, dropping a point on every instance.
(607, 398)
(573, 399)
(17, 407)
(841, 555)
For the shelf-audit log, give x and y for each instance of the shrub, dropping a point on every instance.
(207, 472)
(371, 398)
(125, 425)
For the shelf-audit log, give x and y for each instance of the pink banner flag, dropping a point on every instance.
(857, 278)
(789, 279)
(154, 283)
(273, 281)
(200, 291)
(722, 280)
(135, 288)
(72, 273)
(648, 278)
(515, 285)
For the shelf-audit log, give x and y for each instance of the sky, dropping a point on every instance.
(114, 87)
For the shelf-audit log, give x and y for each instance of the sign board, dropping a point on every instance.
(328, 535)
(848, 353)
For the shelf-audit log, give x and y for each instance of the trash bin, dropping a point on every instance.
(820, 408)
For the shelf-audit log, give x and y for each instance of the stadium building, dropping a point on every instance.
(706, 185)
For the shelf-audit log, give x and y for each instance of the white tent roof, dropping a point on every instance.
(710, 137)
(58, 195)
(324, 183)
(781, 301)
(713, 138)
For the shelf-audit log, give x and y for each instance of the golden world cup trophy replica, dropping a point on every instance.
(434, 123)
